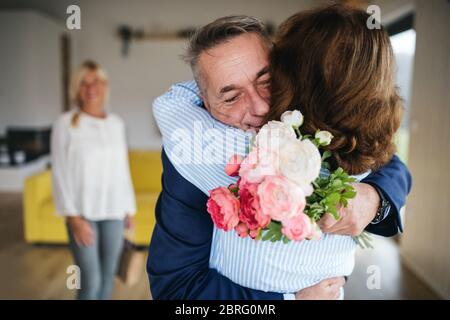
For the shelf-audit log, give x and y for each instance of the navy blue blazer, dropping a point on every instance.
(178, 260)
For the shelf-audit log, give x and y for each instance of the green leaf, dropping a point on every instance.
(277, 237)
(349, 194)
(267, 235)
(334, 213)
(337, 183)
(344, 202)
(332, 199)
(316, 142)
(274, 226)
(326, 155)
(312, 198)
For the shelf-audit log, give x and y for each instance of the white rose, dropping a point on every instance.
(300, 161)
(273, 134)
(292, 118)
(324, 137)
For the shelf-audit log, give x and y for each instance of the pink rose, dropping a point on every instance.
(258, 164)
(297, 228)
(223, 207)
(242, 230)
(250, 212)
(233, 165)
(280, 198)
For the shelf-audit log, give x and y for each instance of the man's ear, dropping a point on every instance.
(199, 78)
(204, 97)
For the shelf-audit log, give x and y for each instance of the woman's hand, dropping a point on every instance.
(129, 223)
(81, 230)
(360, 211)
(328, 289)
(356, 216)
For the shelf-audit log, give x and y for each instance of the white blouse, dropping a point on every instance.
(91, 175)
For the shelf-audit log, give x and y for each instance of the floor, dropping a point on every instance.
(39, 272)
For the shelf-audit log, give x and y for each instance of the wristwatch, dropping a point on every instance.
(383, 209)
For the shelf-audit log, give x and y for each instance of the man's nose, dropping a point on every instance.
(260, 105)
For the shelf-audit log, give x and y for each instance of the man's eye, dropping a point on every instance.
(264, 83)
(231, 99)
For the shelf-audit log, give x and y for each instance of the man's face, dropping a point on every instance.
(235, 81)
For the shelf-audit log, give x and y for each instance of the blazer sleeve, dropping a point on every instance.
(394, 180)
(178, 260)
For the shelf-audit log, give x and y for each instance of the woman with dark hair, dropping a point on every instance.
(340, 75)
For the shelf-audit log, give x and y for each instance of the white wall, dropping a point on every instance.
(30, 94)
(30, 85)
(425, 243)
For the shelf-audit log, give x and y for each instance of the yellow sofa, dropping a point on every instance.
(42, 225)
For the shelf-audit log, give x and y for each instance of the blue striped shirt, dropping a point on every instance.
(199, 146)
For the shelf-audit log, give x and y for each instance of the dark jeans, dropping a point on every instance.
(98, 263)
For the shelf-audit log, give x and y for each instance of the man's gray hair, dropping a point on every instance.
(218, 32)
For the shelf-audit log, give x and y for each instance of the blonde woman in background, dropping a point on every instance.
(91, 181)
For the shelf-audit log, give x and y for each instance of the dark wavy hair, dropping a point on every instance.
(340, 74)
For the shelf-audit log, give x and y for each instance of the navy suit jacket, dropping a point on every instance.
(178, 260)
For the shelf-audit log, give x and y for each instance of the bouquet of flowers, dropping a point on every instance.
(284, 185)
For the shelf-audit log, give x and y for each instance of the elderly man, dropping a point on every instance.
(229, 60)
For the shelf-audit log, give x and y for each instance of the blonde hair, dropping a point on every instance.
(76, 81)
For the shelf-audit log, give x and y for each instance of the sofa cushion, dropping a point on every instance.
(146, 203)
(146, 170)
(48, 212)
